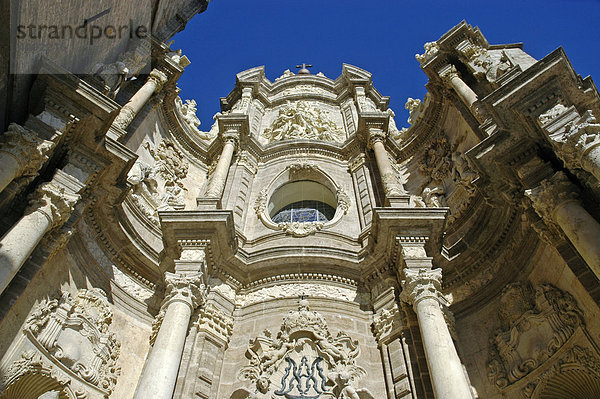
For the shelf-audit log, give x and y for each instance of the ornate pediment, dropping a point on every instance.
(303, 361)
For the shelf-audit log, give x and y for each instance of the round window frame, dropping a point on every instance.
(297, 172)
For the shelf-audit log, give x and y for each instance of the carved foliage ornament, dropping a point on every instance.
(26, 147)
(536, 324)
(304, 361)
(303, 121)
(74, 330)
(55, 201)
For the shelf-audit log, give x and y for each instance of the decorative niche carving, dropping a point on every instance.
(303, 361)
(301, 120)
(69, 342)
(160, 186)
(536, 323)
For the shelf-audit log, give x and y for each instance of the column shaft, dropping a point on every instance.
(591, 161)
(219, 176)
(391, 185)
(445, 368)
(140, 98)
(160, 372)
(18, 243)
(582, 230)
(463, 90)
(9, 169)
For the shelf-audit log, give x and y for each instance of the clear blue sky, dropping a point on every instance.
(381, 36)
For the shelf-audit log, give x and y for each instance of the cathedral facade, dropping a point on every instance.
(304, 246)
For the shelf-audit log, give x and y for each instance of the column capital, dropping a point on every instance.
(581, 137)
(375, 134)
(159, 78)
(54, 201)
(29, 150)
(419, 284)
(186, 288)
(448, 73)
(551, 194)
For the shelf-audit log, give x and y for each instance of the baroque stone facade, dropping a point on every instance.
(305, 246)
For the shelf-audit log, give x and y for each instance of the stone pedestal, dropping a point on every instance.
(556, 201)
(421, 288)
(50, 206)
(154, 84)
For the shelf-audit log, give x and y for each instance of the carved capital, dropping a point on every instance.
(26, 147)
(551, 194)
(158, 78)
(187, 288)
(448, 73)
(375, 135)
(55, 201)
(419, 284)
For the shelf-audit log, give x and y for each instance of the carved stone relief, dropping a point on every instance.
(160, 186)
(304, 360)
(303, 121)
(71, 341)
(536, 323)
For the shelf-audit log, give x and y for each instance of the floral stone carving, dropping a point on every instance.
(536, 323)
(73, 331)
(303, 121)
(304, 361)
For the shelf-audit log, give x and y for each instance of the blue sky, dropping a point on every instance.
(381, 36)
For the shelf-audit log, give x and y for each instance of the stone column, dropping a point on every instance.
(154, 84)
(215, 186)
(556, 201)
(22, 153)
(422, 288)
(450, 76)
(392, 186)
(185, 291)
(50, 206)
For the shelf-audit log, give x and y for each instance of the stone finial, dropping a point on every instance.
(431, 49)
(551, 193)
